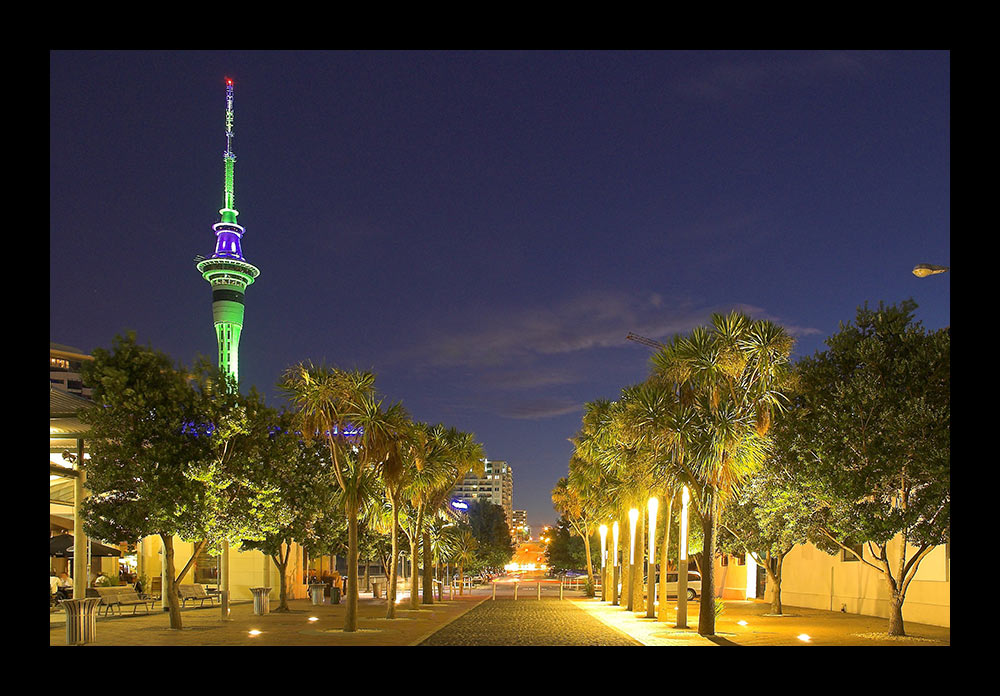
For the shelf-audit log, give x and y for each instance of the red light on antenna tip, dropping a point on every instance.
(229, 81)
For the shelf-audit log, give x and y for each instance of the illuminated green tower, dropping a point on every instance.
(227, 270)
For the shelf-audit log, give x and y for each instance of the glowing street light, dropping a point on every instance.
(614, 565)
(603, 531)
(922, 270)
(652, 506)
(682, 556)
(633, 517)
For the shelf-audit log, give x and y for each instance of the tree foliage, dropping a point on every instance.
(870, 437)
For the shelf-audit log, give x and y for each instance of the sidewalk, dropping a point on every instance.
(758, 628)
(205, 627)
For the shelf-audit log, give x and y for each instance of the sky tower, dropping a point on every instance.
(226, 269)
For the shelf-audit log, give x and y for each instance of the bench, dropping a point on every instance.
(193, 592)
(122, 596)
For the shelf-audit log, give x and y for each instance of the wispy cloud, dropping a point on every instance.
(511, 344)
(537, 409)
(743, 73)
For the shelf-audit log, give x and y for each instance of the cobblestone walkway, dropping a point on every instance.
(528, 622)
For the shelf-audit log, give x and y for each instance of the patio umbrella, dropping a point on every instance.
(61, 546)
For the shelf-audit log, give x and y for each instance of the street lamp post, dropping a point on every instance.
(633, 517)
(652, 505)
(682, 569)
(603, 530)
(922, 270)
(614, 565)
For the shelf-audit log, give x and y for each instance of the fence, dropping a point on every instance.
(534, 587)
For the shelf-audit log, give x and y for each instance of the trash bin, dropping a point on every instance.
(81, 620)
(261, 601)
(335, 595)
(317, 591)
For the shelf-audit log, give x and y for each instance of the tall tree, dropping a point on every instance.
(342, 408)
(173, 453)
(771, 514)
(301, 475)
(870, 435)
(464, 547)
(731, 378)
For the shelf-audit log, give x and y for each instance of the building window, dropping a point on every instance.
(846, 555)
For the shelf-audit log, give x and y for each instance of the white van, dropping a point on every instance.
(693, 588)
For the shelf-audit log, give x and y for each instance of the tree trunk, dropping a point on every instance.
(173, 601)
(590, 566)
(390, 611)
(351, 617)
(896, 615)
(664, 548)
(281, 563)
(774, 575)
(414, 573)
(425, 545)
(638, 586)
(461, 578)
(706, 612)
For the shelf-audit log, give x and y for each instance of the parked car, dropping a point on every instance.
(693, 588)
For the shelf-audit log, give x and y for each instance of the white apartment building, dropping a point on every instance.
(496, 485)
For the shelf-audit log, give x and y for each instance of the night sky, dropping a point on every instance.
(483, 229)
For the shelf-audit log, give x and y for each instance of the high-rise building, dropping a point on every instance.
(496, 485)
(520, 531)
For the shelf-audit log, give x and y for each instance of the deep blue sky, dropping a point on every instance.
(483, 229)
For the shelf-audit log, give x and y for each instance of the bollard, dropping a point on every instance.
(560, 589)
(494, 591)
(539, 589)
(515, 590)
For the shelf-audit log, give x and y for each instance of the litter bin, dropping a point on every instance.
(375, 588)
(261, 601)
(317, 590)
(81, 620)
(335, 595)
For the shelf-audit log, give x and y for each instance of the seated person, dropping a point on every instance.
(64, 587)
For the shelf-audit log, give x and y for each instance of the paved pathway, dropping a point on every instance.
(528, 622)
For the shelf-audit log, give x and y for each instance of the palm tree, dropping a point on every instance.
(453, 454)
(729, 378)
(653, 419)
(465, 547)
(342, 408)
(427, 472)
(574, 499)
(440, 540)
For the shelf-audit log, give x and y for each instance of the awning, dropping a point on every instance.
(61, 546)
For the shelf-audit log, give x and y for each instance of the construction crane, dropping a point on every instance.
(655, 345)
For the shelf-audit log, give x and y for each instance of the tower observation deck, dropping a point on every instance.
(226, 270)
